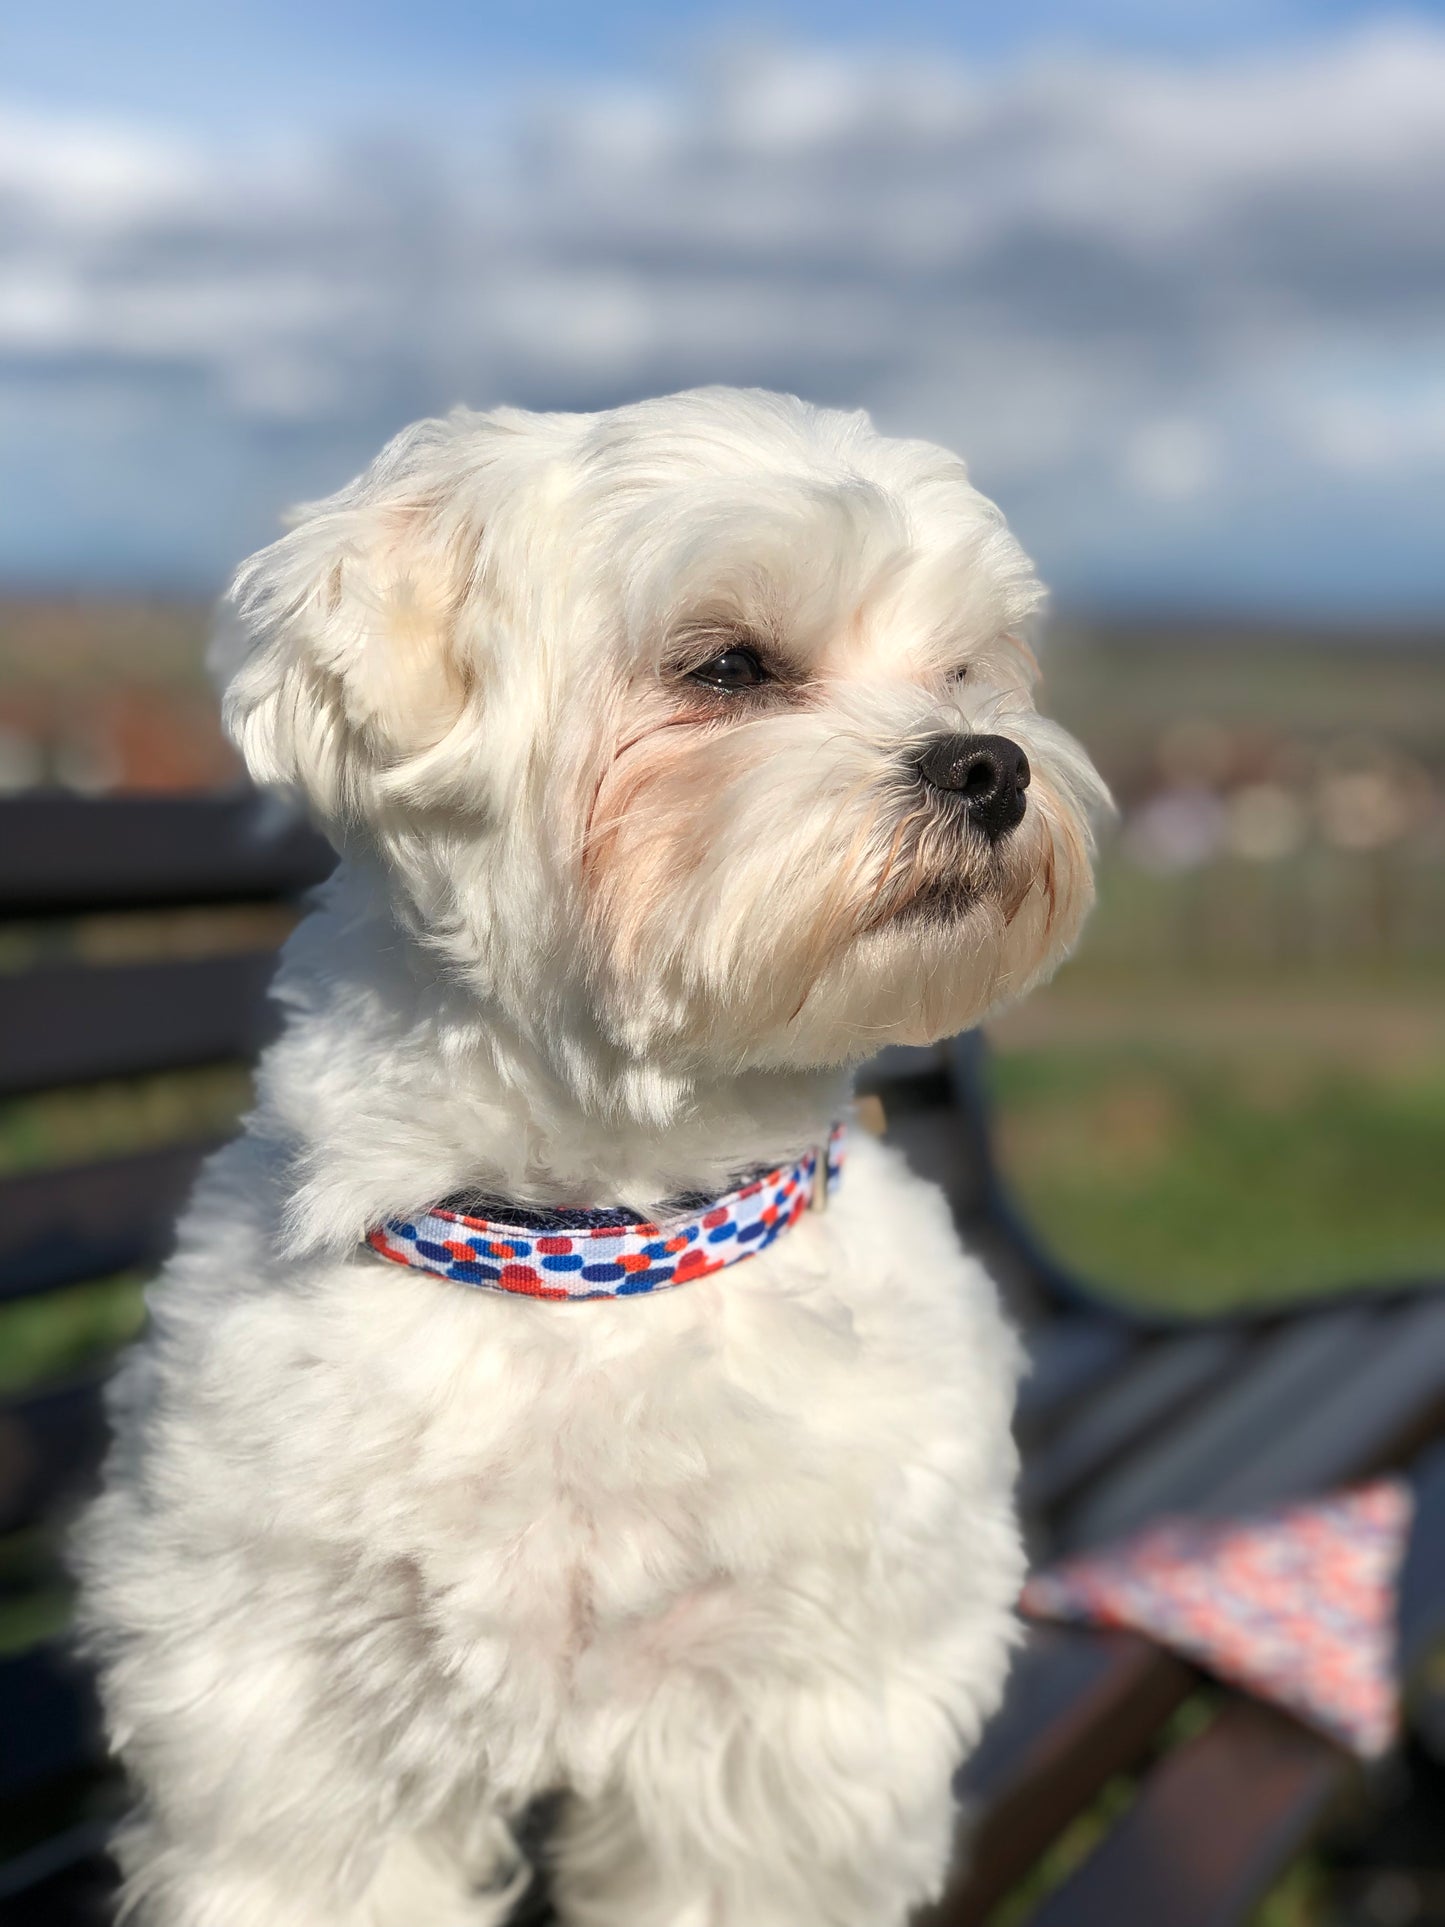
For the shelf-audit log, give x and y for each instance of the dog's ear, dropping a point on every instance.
(353, 646)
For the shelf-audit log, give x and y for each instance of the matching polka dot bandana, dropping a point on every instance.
(1297, 1606)
(614, 1253)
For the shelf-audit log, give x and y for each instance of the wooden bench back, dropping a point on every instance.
(78, 1008)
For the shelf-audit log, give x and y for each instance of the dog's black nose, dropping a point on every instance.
(988, 775)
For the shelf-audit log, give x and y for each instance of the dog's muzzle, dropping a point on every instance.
(984, 776)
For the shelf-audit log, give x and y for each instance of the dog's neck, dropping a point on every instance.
(393, 1088)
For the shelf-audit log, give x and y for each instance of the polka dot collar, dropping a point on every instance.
(612, 1254)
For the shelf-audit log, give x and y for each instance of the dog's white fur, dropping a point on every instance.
(381, 1560)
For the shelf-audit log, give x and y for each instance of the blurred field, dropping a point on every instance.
(103, 695)
(1202, 1145)
(1236, 1091)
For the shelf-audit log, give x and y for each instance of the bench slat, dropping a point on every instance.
(79, 1892)
(933, 1142)
(1080, 1706)
(51, 1444)
(51, 1719)
(67, 853)
(69, 1882)
(1070, 1359)
(899, 1065)
(1385, 1408)
(1422, 1606)
(1422, 1582)
(74, 1023)
(1157, 1385)
(1288, 1374)
(58, 1228)
(1213, 1826)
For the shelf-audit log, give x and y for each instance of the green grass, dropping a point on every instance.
(1300, 1898)
(1196, 1177)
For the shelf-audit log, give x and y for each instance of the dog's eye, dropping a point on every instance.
(957, 675)
(733, 669)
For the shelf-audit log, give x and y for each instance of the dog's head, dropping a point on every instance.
(704, 722)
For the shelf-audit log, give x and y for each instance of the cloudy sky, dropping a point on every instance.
(1172, 277)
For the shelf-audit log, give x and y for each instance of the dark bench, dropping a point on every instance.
(1123, 1416)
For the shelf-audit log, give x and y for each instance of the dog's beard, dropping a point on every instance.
(784, 892)
(938, 866)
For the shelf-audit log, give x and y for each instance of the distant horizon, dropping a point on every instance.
(1131, 621)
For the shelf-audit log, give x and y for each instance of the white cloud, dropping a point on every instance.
(91, 175)
(1154, 283)
(1172, 458)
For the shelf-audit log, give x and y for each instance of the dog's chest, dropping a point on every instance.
(678, 1475)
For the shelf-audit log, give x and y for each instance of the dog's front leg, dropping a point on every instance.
(822, 1807)
(418, 1880)
(274, 1789)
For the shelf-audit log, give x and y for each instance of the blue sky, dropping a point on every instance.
(195, 61)
(1172, 277)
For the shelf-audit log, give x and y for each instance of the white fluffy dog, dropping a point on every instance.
(679, 756)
